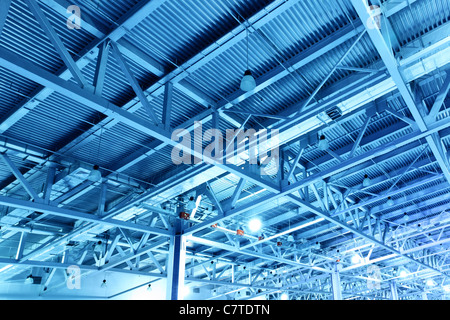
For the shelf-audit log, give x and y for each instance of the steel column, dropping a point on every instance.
(176, 264)
(336, 284)
(394, 290)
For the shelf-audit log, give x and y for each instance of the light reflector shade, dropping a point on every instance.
(95, 175)
(248, 83)
(366, 181)
(323, 143)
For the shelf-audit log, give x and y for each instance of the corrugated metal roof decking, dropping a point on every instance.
(179, 31)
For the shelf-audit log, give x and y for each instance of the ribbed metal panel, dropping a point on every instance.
(23, 35)
(420, 17)
(192, 26)
(106, 13)
(111, 145)
(13, 90)
(53, 122)
(306, 23)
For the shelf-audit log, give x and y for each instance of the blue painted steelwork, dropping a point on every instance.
(380, 101)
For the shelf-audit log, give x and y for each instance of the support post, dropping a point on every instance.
(336, 284)
(176, 263)
(394, 291)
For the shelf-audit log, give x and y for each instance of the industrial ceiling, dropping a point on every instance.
(354, 203)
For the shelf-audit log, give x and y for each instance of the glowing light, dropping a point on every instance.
(284, 296)
(403, 273)
(356, 259)
(431, 283)
(255, 225)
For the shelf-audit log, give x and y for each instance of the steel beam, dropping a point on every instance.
(325, 79)
(176, 76)
(360, 233)
(394, 290)
(167, 105)
(23, 67)
(255, 254)
(21, 246)
(65, 266)
(314, 178)
(336, 285)
(295, 63)
(392, 66)
(360, 136)
(44, 208)
(333, 41)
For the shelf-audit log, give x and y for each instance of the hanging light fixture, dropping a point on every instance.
(406, 216)
(149, 288)
(29, 280)
(103, 285)
(99, 247)
(191, 204)
(95, 174)
(248, 83)
(366, 181)
(403, 272)
(390, 202)
(323, 143)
